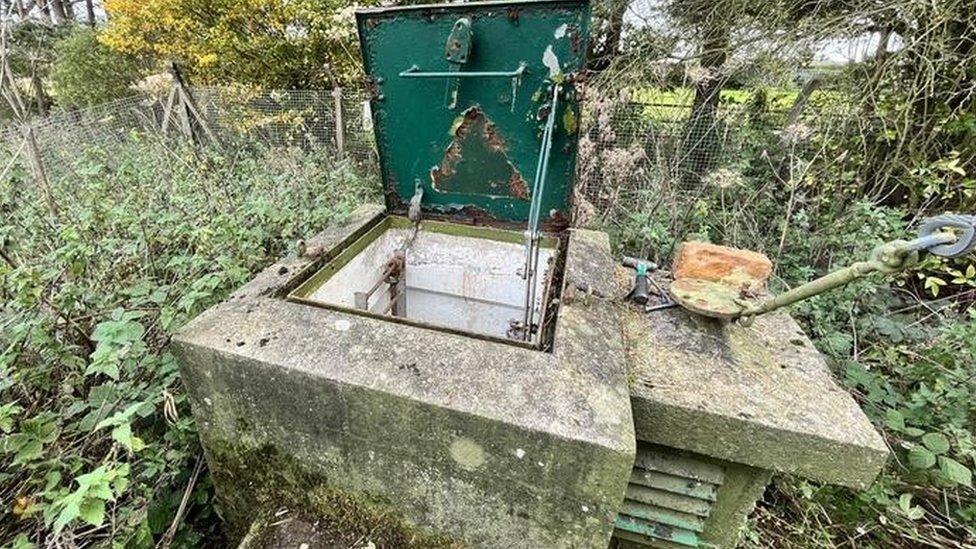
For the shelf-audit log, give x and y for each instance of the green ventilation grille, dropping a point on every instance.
(669, 499)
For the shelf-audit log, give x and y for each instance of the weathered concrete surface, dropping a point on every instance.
(489, 444)
(760, 395)
(736, 500)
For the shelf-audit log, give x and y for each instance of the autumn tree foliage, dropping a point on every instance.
(267, 43)
(87, 73)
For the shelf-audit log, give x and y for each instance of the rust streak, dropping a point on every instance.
(492, 140)
(495, 141)
(517, 185)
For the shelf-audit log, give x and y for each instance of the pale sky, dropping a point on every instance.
(645, 12)
(839, 51)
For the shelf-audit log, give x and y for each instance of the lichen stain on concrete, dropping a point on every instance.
(468, 454)
(476, 161)
(605, 404)
(711, 299)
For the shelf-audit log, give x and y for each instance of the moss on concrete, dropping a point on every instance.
(737, 497)
(760, 395)
(258, 482)
(489, 443)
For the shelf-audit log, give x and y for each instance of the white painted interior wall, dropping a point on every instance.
(464, 283)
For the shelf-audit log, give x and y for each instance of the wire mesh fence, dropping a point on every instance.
(330, 120)
(333, 120)
(628, 150)
(631, 150)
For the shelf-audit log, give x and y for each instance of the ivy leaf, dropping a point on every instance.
(905, 504)
(936, 442)
(920, 458)
(905, 501)
(955, 472)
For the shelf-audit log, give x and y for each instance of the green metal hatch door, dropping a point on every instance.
(460, 96)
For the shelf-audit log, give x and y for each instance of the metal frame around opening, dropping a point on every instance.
(342, 255)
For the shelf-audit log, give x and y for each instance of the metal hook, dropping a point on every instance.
(965, 242)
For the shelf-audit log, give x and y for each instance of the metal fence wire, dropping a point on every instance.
(627, 149)
(630, 151)
(306, 119)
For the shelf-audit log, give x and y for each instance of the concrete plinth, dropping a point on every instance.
(749, 400)
(439, 438)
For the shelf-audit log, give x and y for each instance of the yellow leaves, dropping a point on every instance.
(271, 43)
(151, 26)
(127, 22)
(964, 278)
(939, 273)
(933, 284)
(207, 59)
(24, 506)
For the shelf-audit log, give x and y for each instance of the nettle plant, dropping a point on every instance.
(98, 445)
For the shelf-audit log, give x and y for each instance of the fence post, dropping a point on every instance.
(188, 111)
(340, 127)
(183, 109)
(37, 169)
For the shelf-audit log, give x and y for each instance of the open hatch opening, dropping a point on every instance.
(448, 276)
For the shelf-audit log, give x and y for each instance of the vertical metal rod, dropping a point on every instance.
(532, 230)
(543, 165)
(533, 282)
(550, 124)
(535, 197)
(529, 229)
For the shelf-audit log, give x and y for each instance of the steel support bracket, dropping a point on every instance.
(456, 51)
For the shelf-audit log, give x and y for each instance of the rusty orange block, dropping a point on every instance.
(738, 268)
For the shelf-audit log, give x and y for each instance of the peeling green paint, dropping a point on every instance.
(476, 162)
(414, 127)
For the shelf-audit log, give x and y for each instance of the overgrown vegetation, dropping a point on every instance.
(881, 144)
(98, 444)
(907, 356)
